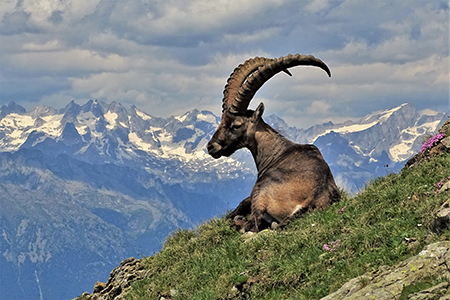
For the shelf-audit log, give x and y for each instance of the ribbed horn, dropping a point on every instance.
(238, 77)
(263, 72)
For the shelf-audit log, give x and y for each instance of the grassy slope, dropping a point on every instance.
(207, 262)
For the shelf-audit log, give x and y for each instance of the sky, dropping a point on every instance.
(167, 57)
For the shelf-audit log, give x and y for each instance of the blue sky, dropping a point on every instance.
(168, 57)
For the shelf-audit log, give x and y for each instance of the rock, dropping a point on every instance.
(445, 127)
(173, 292)
(98, 287)
(446, 142)
(430, 293)
(389, 282)
(118, 283)
(442, 220)
(445, 187)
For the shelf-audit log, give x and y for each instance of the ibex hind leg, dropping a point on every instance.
(259, 220)
(244, 208)
(299, 210)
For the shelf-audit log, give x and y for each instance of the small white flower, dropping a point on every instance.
(313, 224)
(419, 225)
(407, 239)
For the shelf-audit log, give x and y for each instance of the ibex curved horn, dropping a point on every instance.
(247, 78)
(238, 77)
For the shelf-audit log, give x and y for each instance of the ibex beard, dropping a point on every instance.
(292, 178)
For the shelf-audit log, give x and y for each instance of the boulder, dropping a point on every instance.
(430, 293)
(390, 282)
(442, 220)
(118, 283)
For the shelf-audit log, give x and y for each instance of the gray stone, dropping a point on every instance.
(118, 283)
(445, 187)
(446, 142)
(389, 282)
(430, 293)
(442, 220)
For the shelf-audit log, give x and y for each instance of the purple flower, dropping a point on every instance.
(341, 210)
(432, 141)
(333, 246)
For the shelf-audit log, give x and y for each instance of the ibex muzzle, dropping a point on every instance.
(291, 177)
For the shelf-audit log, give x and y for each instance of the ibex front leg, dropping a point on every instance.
(244, 208)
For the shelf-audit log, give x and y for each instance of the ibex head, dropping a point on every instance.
(238, 125)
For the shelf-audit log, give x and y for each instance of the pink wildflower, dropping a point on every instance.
(432, 141)
(333, 246)
(341, 210)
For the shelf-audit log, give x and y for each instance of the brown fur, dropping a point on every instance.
(292, 178)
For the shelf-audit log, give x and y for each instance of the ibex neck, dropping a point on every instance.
(267, 147)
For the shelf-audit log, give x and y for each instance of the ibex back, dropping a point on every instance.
(291, 177)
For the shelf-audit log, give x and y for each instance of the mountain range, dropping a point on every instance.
(89, 185)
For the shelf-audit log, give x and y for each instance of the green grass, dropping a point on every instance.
(208, 262)
(420, 286)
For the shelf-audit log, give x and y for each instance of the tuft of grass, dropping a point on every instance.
(420, 286)
(375, 228)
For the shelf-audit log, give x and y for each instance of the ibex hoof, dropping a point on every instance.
(274, 226)
(238, 217)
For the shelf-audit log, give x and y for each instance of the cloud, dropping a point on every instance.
(171, 56)
(69, 61)
(318, 107)
(16, 23)
(317, 6)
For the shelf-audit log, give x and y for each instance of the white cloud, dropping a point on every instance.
(243, 38)
(317, 5)
(68, 61)
(318, 107)
(203, 15)
(47, 46)
(172, 56)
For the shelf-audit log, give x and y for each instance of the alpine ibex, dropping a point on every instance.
(291, 177)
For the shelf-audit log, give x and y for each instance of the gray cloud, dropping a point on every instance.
(167, 57)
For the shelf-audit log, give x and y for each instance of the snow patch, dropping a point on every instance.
(403, 149)
(182, 118)
(428, 112)
(348, 129)
(389, 112)
(206, 117)
(111, 118)
(143, 115)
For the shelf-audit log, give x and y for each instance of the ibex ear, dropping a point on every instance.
(258, 112)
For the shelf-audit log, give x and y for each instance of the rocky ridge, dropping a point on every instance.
(121, 278)
(389, 282)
